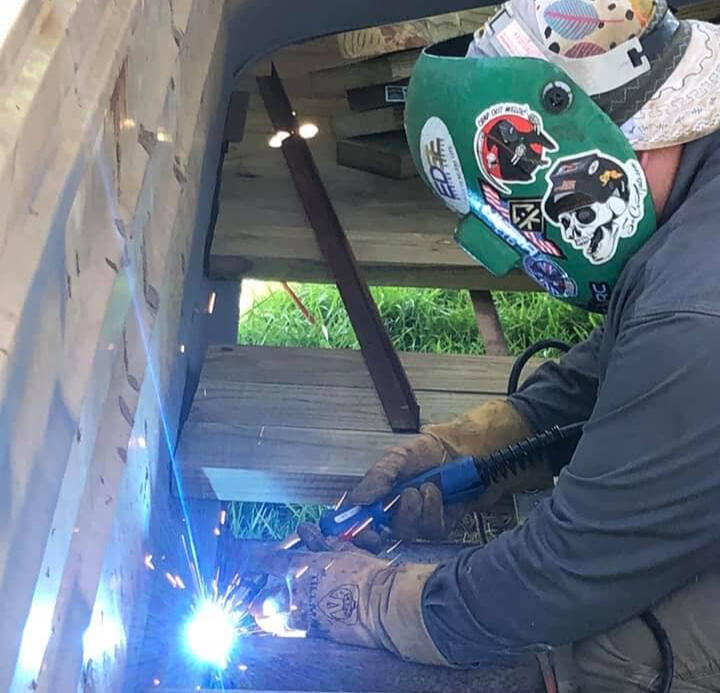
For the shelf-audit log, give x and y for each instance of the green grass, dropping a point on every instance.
(269, 520)
(429, 320)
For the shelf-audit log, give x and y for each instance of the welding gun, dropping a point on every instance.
(458, 480)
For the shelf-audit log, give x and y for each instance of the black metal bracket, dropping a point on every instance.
(388, 375)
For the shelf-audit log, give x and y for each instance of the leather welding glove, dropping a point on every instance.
(355, 598)
(420, 512)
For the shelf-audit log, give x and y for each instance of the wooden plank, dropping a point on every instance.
(388, 375)
(366, 43)
(387, 155)
(276, 463)
(373, 122)
(277, 269)
(377, 95)
(312, 406)
(296, 664)
(385, 68)
(344, 367)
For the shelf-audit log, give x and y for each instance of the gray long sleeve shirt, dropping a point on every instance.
(636, 511)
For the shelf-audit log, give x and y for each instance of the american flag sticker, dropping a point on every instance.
(526, 216)
(493, 198)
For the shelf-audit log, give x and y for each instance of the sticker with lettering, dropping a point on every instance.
(441, 165)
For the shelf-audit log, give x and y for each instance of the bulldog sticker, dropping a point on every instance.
(595, 200)
(510, 145)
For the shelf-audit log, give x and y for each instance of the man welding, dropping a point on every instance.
(577, 140)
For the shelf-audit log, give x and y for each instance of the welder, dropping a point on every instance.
(579, 141)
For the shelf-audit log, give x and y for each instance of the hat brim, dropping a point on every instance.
(673, 115)
(567, 203)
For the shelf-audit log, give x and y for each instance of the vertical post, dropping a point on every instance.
(488, 324)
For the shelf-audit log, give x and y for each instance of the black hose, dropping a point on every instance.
(522, 360)
(506, 463)
(666, 652)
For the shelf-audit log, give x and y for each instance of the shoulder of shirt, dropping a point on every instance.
(678, 269)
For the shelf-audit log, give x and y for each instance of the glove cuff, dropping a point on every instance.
(396, 608)
(488, 427)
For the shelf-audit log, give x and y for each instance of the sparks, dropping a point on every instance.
(340, 501)
(156, 682)
(211, 303)
(179, 582)
(242, 667)
(392, 548)
(171, 579)
(216, 531)
(391, 503)
(362, 527)
(211, 633)
(223, 517)
(149, 561)
(302, 572)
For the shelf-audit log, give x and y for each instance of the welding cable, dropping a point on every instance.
(546, 438)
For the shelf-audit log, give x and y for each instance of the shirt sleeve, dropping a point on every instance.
(560, 393)
(634, 516)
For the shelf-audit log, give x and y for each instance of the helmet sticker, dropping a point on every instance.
(441, 164)
(599, 295)
(510, 144)
(526, 216)
(595, 200)
(553, 278)
(493, 210)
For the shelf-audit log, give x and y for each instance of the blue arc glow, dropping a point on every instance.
(211, 633)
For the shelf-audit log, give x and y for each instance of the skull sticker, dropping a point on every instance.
(595, 200)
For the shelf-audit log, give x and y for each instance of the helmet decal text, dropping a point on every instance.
(595, 200)
(510, 144)
(441, 165)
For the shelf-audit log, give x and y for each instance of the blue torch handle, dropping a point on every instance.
(457, 480)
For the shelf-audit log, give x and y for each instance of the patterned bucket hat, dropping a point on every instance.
(657, 77)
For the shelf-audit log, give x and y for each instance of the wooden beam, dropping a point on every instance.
(373, 122)
(400, 234)
(486, 375)
(377, 95)
(386, 155)
(383, 363)
(381, 70)
(488, 324)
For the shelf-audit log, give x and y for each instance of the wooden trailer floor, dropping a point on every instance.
(303, 425)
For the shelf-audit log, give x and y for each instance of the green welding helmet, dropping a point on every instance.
(542, 179)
